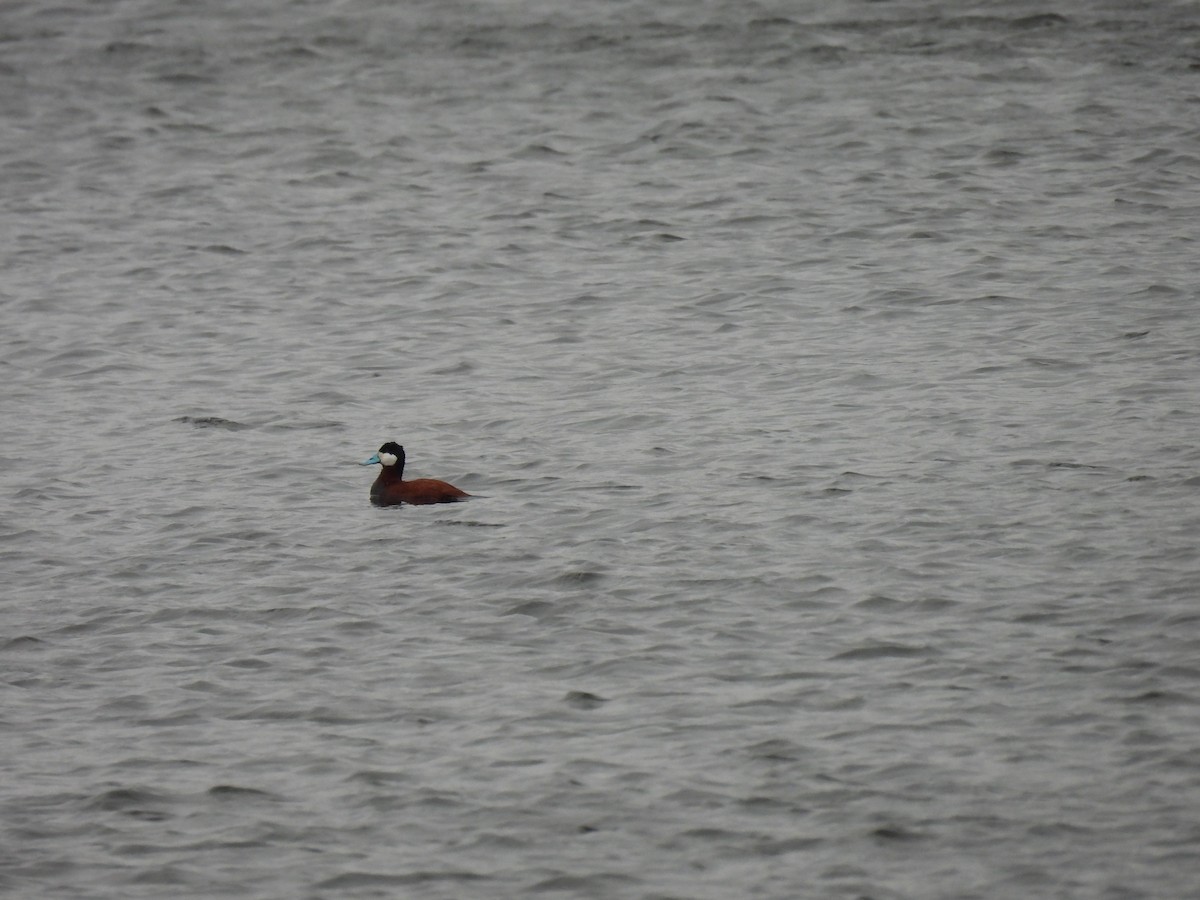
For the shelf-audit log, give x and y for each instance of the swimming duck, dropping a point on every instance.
(390, 488)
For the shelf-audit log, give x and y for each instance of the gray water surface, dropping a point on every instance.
(826, 374)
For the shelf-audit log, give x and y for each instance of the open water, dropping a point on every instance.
(827, 373)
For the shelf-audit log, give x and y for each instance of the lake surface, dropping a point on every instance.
(826, 375)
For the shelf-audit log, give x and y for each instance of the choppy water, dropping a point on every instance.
(828, 374)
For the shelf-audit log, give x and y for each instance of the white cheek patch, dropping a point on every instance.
(387, 459)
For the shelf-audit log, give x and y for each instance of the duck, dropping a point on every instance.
(390, 488)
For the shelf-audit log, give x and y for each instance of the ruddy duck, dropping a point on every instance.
(390, 488)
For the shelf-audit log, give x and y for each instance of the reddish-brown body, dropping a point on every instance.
(390, 489)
